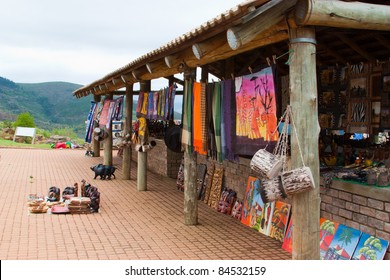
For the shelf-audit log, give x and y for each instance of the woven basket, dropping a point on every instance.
(272, 190)
(297, 180)
(266, 164)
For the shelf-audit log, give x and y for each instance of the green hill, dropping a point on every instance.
(52, 104)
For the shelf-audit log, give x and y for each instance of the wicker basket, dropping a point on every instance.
(266, 164)
(297, 180)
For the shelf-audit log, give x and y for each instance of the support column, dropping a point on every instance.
(303, 99)
(108, 141)
(142, 161)
(190, 194)
(127, 149)
(96, 143)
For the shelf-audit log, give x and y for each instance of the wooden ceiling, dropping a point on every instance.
(334, 46)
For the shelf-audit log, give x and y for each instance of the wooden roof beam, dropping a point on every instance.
(355, 47)
(342, 14)
(264, 18)
(331, 52)
(220, 49)
(384, 41)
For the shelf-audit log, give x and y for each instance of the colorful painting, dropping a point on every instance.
(256, 119)
(248, 200)
(327, 230)
(257, 207)
(343, 244)
(370, 248)
(279, 220)
(287, 241)
(104, 114)
(266, 218)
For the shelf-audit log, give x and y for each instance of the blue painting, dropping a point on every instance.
(370, 248)
(343, 244)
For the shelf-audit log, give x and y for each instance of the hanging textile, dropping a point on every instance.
(111, 110)
(118, 109)
(150, 105)
(160, 96)
(155, 105)
(104, 114)
(256, 112)
(212, 149)
(203, 116)
(90, 121)
(217, 110)
(229, 119)
(223, 136)
(197, 119)
(139, 104)
(171, 114)
(186, 138)
(144, 107)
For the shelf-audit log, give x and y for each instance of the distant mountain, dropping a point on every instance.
(51, 104)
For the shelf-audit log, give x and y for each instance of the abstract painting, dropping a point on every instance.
(279, 220)
(248, 200)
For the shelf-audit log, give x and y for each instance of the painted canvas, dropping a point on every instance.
(370, 248)
(343, 244)
(279, 220)
(287, 241)
(248, 200)
(257, 206)
(256, 119)
(266, 218)
(327, 230)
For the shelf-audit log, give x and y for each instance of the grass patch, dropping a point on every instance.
(12, 144)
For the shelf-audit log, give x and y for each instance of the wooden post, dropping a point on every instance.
(303, 100)
(190, 194)
(108, 141)
(142, 161)
(96, 143)
(127, 149)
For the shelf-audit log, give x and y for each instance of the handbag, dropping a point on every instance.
(300, 179)
(266, 164)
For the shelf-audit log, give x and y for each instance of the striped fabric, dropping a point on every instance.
(217, 110)
(203, 115)
(186, 134)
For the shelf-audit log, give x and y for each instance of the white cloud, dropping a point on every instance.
(81, 41)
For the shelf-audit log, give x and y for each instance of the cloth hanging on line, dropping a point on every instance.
(104, 114)
(217, 110)
(186, 135)
(212, 146)
(256, 112)
(203, 116)
(197, 119)
(229, 119)
(90, 121)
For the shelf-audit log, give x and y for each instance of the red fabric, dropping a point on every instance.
(61, 145)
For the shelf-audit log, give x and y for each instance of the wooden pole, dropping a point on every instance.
(190, 193)
(108, 141)
(142, 161)
(96, 143)
(264, 18)
(127, 149)
(303, 99)
(343, 14)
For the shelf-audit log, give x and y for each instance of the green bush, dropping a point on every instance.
(24, 120)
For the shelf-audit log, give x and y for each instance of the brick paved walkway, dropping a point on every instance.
(131, 225)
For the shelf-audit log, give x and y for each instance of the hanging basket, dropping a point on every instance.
(272, 190)
(297, 180)
(266, 164)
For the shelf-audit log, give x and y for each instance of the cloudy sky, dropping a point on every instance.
(80, 41)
